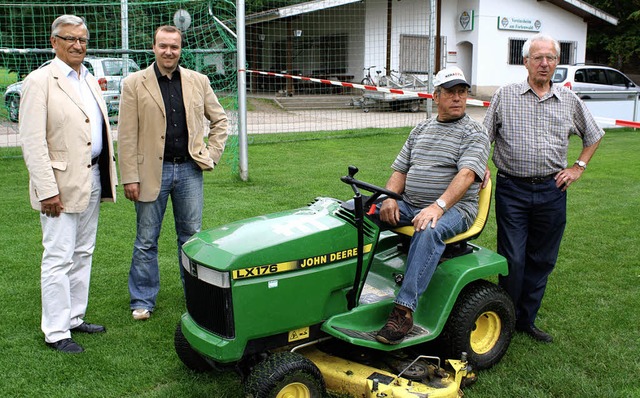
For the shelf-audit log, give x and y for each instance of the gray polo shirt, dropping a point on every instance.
(433, 155)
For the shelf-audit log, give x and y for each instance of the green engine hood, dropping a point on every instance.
(320, 233)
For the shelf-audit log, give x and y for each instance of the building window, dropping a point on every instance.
(414, 54)
(515, 51)
(567, 52)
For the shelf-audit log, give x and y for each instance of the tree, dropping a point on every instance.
(618, 46)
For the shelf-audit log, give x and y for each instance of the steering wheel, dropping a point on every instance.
(374, 189)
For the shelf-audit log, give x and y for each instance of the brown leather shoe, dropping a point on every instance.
(398, 325)
(66, 345)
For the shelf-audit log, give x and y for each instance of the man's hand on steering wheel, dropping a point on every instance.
(389, 212)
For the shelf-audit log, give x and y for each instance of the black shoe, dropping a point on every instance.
(535, 333)
(397, 327)
(66, 345)
(85, 327)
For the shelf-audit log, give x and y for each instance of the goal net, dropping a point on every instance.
(121, 35)
(311, 66)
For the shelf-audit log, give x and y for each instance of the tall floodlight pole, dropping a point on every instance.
(124, 27)
(242, 91)
(432, 52)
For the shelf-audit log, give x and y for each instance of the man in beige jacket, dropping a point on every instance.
(162, 153)
(68, 150)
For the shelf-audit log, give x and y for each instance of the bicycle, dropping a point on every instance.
(399, 80)
(368, 79)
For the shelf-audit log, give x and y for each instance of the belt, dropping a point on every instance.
(529, 180)
(177, 159)
(95, 160)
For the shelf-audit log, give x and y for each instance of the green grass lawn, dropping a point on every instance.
(591, 305)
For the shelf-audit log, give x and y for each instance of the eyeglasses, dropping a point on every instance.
(72, 40)
(550, 58)
(462, 92)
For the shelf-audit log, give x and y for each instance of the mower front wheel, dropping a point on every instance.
(189, 357)
(285, 375)
(481, 324)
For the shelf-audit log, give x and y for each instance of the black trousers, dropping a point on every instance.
(531, 218)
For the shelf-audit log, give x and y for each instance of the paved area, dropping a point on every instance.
(264, 122)
(9, 134)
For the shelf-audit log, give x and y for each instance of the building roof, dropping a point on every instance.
(297, 9)
(586, 11)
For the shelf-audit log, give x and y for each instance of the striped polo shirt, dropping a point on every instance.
(434, 153)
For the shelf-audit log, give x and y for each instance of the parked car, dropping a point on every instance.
(108, 71)
(594, 78)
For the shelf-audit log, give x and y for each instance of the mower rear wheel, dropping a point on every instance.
(189, 357)
(481, 324)
(285, 375)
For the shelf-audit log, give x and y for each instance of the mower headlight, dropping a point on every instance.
(207, 275)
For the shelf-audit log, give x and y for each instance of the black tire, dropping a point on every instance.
(13, 106)
(414, 106)
(481, 324)
(288, 374)
(189, 357)
(367, 82)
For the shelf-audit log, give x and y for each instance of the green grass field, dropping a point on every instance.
(591, 305)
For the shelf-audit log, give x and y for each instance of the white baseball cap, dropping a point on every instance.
(449, 77)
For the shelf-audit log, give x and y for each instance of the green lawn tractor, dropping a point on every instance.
(293, 301)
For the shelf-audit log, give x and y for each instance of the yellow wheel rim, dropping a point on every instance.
(486, 333)
(294, 390)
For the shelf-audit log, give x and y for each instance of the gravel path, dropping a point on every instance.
(279, 121)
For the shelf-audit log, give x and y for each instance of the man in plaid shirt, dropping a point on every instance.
(530, 124)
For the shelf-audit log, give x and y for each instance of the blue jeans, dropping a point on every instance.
(531, 219)
(425, 251)
(183, 182)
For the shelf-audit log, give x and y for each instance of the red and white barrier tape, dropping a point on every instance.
(470, 101)
(616, 122)
(344, 84)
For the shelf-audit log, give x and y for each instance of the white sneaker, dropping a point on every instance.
(140, 314)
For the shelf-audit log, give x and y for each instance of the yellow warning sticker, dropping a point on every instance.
(299, 334)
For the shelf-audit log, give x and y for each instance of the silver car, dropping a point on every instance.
(589, 79)
(108, 71)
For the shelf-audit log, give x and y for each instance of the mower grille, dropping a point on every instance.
(209, 306)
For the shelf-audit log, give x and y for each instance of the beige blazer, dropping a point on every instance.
(56, 141)
(142, 127)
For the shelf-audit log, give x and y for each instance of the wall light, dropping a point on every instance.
(297, 32)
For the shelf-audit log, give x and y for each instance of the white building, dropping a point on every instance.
(338, 39)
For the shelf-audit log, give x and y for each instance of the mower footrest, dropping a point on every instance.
(417, 331)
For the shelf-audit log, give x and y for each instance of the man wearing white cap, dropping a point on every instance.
(438, 173)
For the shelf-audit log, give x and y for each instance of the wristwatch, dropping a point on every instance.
(442, 204)
(582, 164)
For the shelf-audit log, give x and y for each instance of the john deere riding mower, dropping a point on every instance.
(293, 301)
